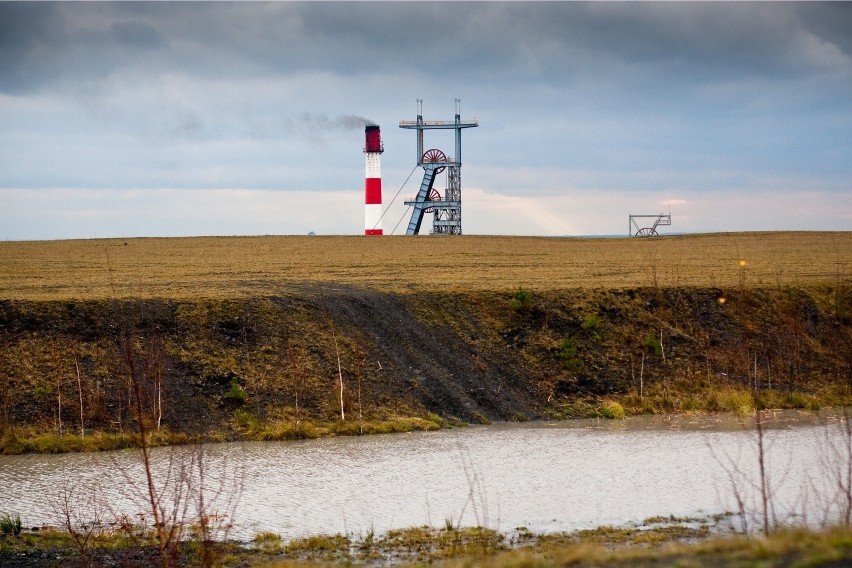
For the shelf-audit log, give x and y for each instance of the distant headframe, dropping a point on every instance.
(645, 229)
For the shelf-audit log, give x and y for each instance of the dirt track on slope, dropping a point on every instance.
(444, 372)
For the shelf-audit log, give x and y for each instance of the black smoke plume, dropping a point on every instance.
(323, 123)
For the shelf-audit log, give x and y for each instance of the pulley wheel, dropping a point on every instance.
(433, 196)
(647, 232)
(432, 156)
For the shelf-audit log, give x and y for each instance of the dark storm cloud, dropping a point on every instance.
(829, 20)
(28, 32)
(26, 25)
(482, 39)
(557, 38)
(45, 43)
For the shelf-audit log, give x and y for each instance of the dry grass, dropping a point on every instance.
(670, 545)
(219, 267)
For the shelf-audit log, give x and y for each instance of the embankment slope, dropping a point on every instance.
(236, 337)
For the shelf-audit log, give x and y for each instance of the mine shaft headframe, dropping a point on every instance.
(645, 230)
(446, 209)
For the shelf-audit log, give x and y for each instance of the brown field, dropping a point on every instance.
(218, 267)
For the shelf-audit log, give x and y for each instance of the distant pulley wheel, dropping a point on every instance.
(432, 156)
(647, 232)
(433, 196)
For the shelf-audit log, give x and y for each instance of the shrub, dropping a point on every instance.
(245, 420)
(591, 324)
(42, 393)
(568, 355)
(652, 344)
(521, 300)
(237, 394)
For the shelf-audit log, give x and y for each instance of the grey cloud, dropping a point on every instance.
(831, 21)
(26, 25)
(30, 35)
(609, 86)
(189, 123)
(139, 34)
(555, 39)
(489, 42)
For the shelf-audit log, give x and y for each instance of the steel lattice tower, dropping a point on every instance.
(446, 208)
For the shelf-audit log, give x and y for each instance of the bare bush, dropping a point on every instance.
(177, 497)
(753, 480)
(824, 496)
(83, 516)
(834, 448)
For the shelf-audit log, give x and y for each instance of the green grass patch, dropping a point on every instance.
(568, 355)
(290, 429)
(325, 547)
(268, 542)
(10, 525)
(521, 300)
(573, 409)
(611, 409)
(429, 544)
(724, 399)
(96, 441)
(236, 393)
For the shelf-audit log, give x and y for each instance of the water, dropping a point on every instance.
(544, 476)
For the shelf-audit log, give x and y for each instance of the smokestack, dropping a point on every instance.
(373, 185)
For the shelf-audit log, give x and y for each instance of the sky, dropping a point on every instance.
(130, 119)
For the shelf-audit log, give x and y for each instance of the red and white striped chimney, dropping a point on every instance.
(373, 185)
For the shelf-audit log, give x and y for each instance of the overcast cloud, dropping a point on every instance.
(161, 119)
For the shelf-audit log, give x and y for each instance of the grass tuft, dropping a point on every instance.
(268, 542)
(611, 409)
(10, 525)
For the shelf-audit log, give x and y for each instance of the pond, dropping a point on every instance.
(544, 476)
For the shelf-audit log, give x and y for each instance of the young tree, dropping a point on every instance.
(80, 392)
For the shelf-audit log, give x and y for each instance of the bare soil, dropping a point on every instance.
(240, 267)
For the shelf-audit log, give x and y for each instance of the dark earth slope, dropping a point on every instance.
(207, 366)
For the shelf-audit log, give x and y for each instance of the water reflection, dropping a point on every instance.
(545, 476)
